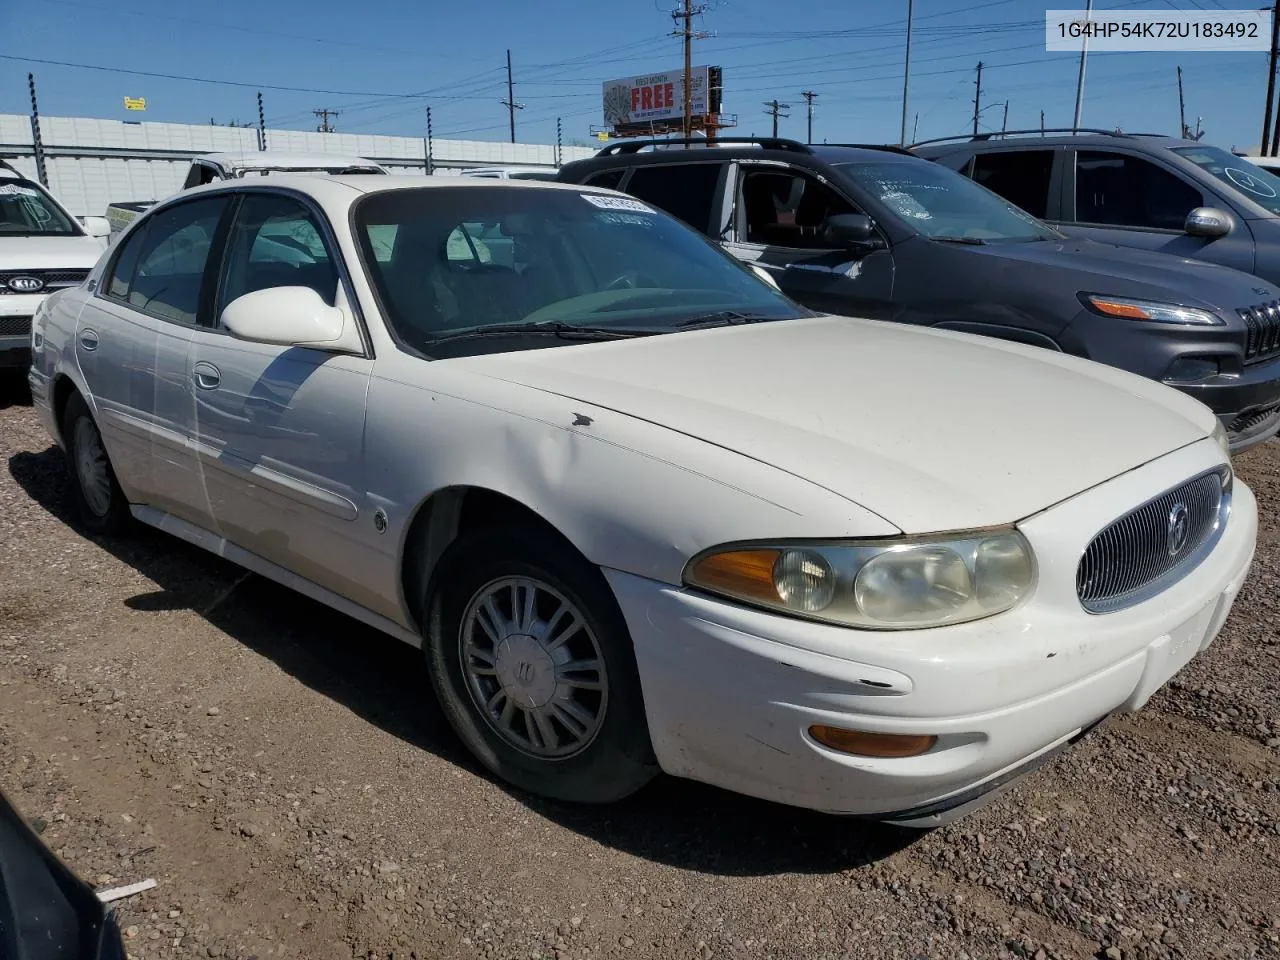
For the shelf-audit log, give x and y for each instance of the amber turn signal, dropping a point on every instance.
(745, 573)
(1127, 310)
(871, 744)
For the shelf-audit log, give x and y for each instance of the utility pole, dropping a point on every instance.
(559, 143)
(687, 12)
(906, 78)
(1182, 109)
(1271, 79)
(1004, 125)
(776, 110)
(325, 125)
(37, 145)
(1084, 56)
(915, 129)
(977, 99)
(1042, 123)
(510, 102)
(262, 125)
(809, 97)
(431, 164)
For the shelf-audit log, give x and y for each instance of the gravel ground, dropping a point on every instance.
(283, 774)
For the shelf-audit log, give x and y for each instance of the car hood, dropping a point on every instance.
(48, 253)
(931, 430)
(1125, 271)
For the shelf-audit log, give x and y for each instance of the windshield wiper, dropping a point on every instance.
(974, 241)
(558, 328)
(723, 318)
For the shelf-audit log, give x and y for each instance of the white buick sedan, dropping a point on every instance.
(640, 511)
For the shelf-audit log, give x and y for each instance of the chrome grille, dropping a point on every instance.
(53, 279)
(1134, 557)
(1263, 324)
(15, 326)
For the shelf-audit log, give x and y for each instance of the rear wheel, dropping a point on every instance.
(100, 503)
(533, 665)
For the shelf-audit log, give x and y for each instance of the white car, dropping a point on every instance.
(43, 248)
(511, 173)
(640, 511)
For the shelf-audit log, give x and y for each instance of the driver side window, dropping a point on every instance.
(783, 208)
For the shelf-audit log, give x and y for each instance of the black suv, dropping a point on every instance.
(878, 232)
(1140, 190)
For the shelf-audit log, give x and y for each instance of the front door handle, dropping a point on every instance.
(206, 375)
(89, 339)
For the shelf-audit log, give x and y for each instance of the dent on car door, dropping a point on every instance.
(780, 224)
(280, 429)
(1131, 201)
(132, 346)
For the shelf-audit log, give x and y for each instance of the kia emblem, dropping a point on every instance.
(26, 284)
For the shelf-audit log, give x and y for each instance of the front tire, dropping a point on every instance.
(533, 665)
(100, 504)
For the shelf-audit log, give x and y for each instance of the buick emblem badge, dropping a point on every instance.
(1179, 528)
(26, 284)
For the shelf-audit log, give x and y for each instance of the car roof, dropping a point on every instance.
(1139, 141)
(339, 190)
(714, 151)
(266, 159)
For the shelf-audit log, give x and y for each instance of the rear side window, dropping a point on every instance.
(684, 190)
(1021, 177)
(161, 269)
(1112, 188)
(608, 179)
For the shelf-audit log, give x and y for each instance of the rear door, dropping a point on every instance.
(1028, 178)
(778, 223)
(1120, 197)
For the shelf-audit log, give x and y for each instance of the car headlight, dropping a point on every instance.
(1219, 435)
(899, 584)
(1129, 309)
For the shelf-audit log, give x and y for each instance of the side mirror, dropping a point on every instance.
(851, 230)
(291, 317)
(97, 226)
(1207, 222)
(765, 275)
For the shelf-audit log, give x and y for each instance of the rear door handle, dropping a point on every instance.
(89, 339)
(206, 375)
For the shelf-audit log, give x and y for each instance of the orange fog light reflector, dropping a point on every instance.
(872, 744)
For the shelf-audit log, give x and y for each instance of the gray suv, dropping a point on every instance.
(878, 232)
(1138, 190)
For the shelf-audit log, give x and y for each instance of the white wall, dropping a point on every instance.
(87, 184)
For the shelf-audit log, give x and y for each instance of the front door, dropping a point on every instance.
(1132, 202)
(779, 223)
(280, 430)
(132, 342)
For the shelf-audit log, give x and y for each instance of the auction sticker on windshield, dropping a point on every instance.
(616, 203)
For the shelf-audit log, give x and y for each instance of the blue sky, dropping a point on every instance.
(381, 64)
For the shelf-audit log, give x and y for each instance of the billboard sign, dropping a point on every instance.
(654, 97)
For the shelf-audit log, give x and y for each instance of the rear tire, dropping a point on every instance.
(533, 665)
(100, 504)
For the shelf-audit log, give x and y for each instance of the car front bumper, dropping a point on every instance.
(731, 692)
(16, 311)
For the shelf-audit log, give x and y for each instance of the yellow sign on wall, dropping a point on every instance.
(135, 103)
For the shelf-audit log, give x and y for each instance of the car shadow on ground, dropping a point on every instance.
(674, 822)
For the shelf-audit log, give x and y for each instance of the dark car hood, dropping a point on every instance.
(1124, 271)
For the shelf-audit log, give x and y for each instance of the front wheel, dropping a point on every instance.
(100, 503)
(532, 662)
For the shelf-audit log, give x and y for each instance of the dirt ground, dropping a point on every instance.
(281, 771)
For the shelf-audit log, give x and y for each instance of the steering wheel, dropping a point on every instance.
(631, 280)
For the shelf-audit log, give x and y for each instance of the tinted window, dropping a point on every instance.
(276, 242)
(609, 179)
(125, 264)
(174, 248)
(1128, 191)
(789, 209)
(1021, 177)
(472, 258)
(940, 203)
(1255, 179)
(684, 190)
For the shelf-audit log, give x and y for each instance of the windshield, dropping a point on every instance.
(1247, 179)
(940, 203)
(26, 210)
(448, 259)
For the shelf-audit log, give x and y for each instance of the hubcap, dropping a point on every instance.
(533, 667)
(91, 467)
